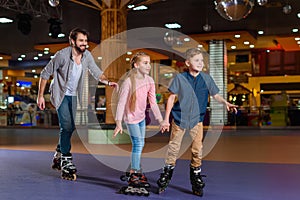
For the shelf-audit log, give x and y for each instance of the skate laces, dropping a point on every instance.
(143, 178)
(134, 178)
(198, 175)
(67, 163)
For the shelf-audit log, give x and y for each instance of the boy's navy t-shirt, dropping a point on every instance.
(192, 93)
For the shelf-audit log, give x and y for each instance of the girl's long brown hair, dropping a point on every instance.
(136, 58)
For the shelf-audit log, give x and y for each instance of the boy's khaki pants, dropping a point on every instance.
(177, 133)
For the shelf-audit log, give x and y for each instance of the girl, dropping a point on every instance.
(137, 88)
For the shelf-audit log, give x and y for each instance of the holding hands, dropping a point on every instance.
(164, 126)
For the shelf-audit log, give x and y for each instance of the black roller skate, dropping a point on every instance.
(137, 184)
(196, 181)
(68, 169)
(56, 162)
(165, 178)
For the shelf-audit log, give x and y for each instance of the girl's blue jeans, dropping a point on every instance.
(137, 135)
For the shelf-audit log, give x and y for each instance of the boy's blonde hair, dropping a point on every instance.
(192, 52)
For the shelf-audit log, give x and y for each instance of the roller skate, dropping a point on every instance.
(137, 184)
(196, 181)
(165, 178)
(68, 169)
(56, 161)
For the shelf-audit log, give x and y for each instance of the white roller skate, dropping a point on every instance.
(68, 169)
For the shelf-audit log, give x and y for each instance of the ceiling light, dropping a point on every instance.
(4, 20)
(233, 47)
(246, 43)
(173, 25)
(35, 58)
(298, 15)
(287, 9)
(260, 32)
(62, 35)
(295, 30)
(53, 3)
(251, 46)
(24, 24)
(142, 7)
(237, 36)
(130, 6)
(1, 58)
(262, 2)
(207, 27)
(297, 38)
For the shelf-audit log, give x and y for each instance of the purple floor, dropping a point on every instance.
(27, 175)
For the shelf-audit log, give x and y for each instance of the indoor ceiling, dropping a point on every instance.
(191, 14)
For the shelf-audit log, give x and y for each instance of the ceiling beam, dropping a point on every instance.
(85, 4)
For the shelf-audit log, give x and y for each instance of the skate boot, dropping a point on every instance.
(196, 181)
(137, 184)
(56, 161)
(165, 178)
(68, 169)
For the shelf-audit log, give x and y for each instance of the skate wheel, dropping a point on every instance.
(74, 177)
(198, 193)
(122, 190)
(147, 195)
(70, 177)
(161, 190)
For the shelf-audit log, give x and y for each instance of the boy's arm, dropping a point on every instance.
(228, 105)
(169, 107)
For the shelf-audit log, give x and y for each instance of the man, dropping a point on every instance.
(68, 67)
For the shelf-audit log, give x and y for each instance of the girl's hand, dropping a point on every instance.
(118, 129)
(164, 126)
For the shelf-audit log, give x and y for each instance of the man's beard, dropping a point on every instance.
(80, 50)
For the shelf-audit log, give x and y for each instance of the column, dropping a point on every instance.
(218, 71)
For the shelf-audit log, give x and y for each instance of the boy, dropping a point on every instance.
(191, 89)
